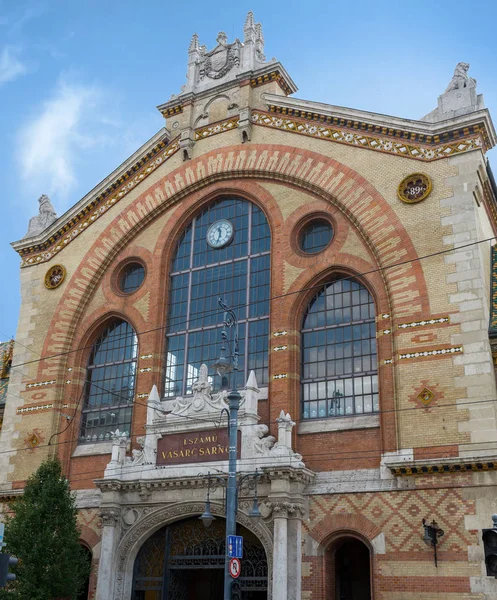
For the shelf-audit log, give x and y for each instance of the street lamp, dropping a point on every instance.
(431, 535)
(223, 367)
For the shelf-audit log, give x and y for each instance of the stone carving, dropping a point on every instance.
(225, 61)
(44, 219)
(461, 79)
(263, 443)
(109, 517)
(145, 456)
(460, 97)
(203, 400)
(218, 62)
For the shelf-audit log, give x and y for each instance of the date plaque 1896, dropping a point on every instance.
(194, 447)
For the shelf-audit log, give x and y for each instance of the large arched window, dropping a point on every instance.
(110, 383)
(223, 252)
(339, 363)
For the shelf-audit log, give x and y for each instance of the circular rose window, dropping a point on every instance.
(131, 277)
(315, 236)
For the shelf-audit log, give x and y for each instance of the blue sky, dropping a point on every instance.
(80, 80)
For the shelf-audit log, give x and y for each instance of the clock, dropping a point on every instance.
(220, 233)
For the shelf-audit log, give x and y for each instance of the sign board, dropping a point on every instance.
(194, 447)
(235, 546)
(235, 567)
(2, 529)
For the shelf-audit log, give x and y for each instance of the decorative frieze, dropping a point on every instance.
(438, 352)
(424, 322)
(379, 143)
(216, 128)
(40, 384)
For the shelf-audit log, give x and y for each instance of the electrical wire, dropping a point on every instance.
(272, 298)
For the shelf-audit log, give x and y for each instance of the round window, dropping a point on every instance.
(315, 236)
(131, 277)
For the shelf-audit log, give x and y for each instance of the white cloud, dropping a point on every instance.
(10, 65)
(69, 123)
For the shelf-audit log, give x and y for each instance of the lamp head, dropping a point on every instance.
(255, 513)
(222, 365)
(207, 517)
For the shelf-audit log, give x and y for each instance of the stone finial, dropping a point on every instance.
(194, 44)
(249, 30)
(153, 403)
(259, 43)
(44, 219)
(251, 394)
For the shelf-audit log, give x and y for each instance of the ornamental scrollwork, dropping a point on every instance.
(109, 517)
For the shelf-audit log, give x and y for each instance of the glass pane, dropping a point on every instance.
(339, 362)
(239, 273)
(110, 384)
(316, 236)
(132, 278)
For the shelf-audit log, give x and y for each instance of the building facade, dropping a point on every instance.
(356, 251)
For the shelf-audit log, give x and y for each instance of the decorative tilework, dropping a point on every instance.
(492, 330)
(216, 128)
(426, 396)
(145, 356)
(280, 376)
(93, 211)
(40, 384)
(278, 333)
(29, 409)
(145, 370)
(279, 348)
(441, 468)
(273, 76)
(381, 144)
(453, 350)
(424, 322)
(142, 395)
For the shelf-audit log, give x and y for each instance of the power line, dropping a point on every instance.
(272, 298)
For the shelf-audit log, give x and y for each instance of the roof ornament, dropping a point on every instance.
(460, 97)
(44, 219)
(461, 79)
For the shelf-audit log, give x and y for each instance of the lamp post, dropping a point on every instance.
(224, 366)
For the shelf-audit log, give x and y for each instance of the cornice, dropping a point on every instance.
(121, 181)
(407, 129)
(399, 137)
(273, 71)
(443, 466)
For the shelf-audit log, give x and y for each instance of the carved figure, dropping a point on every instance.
(265, 442)
(145, 456)
(44, 219)
(201, 389)
(461, 79)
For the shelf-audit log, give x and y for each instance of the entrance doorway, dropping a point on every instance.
(185, 561)
(351, 566)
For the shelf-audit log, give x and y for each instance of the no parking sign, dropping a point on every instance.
(235, 567)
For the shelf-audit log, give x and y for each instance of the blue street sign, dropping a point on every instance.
(2, 528)
(235, 546)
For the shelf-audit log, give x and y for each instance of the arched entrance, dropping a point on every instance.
(84, 592)
(348, 565)
(185, 561)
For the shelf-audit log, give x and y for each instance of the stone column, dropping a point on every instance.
(106, 566)
(295, 552)
(280, 552)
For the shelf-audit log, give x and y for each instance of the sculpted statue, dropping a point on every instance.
(461, 79)
(44, 219)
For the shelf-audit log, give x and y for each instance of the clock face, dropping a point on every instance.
(220, 233)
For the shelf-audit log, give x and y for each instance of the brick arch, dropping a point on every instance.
(344, 523)
(328, 179)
